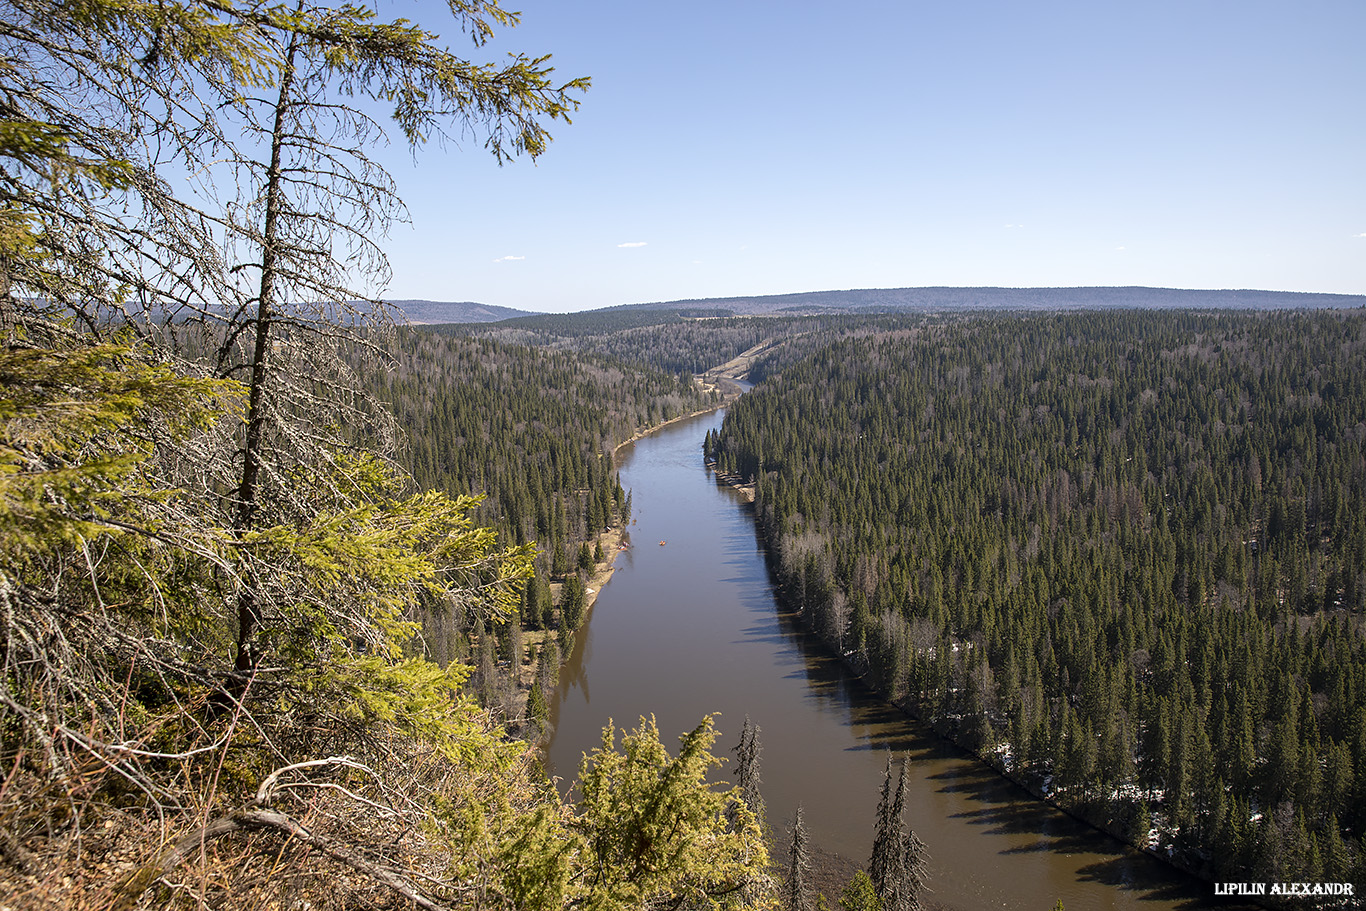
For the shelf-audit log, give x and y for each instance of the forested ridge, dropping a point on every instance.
(530, 432)
(1120, 555)
(672, 340)
(524, 426)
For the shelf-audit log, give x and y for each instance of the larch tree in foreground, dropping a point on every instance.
(207, 568)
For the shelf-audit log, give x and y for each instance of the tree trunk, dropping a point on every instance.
(248, 492)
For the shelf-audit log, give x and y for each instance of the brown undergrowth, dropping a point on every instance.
(330, 833)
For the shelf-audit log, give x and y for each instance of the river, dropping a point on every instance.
(691, 627)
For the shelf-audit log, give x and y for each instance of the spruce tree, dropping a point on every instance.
(859, 895)
(913, 870)
(897, 866)
(747, 754)
(884, 839)
(537, 709)
(571, 604)
(548, 666)
(798, 866)
(531, 603)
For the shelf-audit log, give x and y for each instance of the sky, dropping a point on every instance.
(754, 147)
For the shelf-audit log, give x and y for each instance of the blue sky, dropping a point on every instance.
(761, 147)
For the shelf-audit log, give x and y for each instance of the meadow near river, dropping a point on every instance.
(692, 627)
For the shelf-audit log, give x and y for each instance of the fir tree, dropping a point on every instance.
(897, 866)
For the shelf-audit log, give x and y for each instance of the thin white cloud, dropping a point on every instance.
(1359, 235)
(632, 243)
(508, 259)
(1119, 248)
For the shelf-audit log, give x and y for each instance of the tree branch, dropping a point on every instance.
(135, 884)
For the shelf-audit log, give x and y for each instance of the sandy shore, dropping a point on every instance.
(613, 541)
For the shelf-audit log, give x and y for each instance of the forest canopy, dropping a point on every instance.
(1120, 555)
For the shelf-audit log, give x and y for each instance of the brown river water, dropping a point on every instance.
(692, 628)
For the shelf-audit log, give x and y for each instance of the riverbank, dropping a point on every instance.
(746, 489)
(1036, 785)
(613, 541)
(727, 396)
(691, 629)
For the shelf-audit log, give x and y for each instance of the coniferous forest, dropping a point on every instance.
(1122, 556)
(530, 431)
(676, 341)
(284, 587)
(525, 426)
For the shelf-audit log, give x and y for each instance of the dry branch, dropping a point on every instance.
(133, 886)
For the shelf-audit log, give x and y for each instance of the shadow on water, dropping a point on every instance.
(764, 634)
(992, 844)
(999, 806)
(574, 669)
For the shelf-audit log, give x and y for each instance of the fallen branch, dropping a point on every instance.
(130, 890)
(266, 792)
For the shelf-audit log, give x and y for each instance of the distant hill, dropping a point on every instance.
(892, 300)
(882, 300)
(430, 312)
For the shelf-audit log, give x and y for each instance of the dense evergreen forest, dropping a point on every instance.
(531, 432)
(1120, 555)
(531, 429)
(676, 341)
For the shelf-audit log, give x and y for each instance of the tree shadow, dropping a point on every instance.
(1000, 806)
